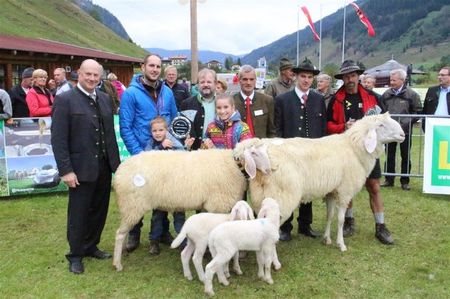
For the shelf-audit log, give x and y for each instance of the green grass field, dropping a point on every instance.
(33, 244)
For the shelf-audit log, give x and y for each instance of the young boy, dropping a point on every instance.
(162, 140)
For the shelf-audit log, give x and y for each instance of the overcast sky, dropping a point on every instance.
(229, 26)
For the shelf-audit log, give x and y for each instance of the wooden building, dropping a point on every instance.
(18, 53)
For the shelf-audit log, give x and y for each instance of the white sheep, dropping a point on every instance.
(334, 167)
(197, 228)
(260, 235)
(177, 181)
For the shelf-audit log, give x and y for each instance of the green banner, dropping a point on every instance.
(440, 172)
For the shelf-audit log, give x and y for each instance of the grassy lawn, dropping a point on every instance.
(33, 244)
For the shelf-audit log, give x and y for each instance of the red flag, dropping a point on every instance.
(311, 24)
(364, 19)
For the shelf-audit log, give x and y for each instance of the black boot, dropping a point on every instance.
(383, 234)
(133, 242)
(154, 247)
(349, 226)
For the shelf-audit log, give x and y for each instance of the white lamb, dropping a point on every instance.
(177, 181)
(197, 228)
(334, 166)
(260, 235)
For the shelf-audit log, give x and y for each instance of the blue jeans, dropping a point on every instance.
(160, 223)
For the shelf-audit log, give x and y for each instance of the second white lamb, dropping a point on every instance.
(260, 235)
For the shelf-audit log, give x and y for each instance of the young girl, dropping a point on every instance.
(227, 129)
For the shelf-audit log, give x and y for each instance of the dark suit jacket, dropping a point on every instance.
(287, 114)
(263, 122)
(75, 134)
(18, 102)
(432, 99)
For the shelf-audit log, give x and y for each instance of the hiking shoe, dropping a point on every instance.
(154, 248)
(167, 239)
(133, 242)
(349, 227)
(383, 234)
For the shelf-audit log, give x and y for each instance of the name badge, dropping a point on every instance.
(258, 112)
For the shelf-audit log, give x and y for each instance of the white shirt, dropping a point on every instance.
(250, 96)
(301, 93)
(85, 91)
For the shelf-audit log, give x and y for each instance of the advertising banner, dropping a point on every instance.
(436, 178)
(27, 164)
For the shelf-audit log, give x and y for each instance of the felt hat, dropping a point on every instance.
(306, 66)
(347, 67)
(285, 63)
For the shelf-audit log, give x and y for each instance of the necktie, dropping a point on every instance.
(92, 96)
(305, 99)
(249, 115)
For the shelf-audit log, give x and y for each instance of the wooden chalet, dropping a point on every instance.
(18, 53)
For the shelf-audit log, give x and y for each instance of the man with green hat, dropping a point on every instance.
(301, 112)
(285, 81)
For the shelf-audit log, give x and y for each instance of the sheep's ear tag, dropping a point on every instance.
(138, 180)
(370, 142)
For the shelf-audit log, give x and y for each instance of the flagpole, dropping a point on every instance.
(298, 25)
(320, 41)
(343, 34)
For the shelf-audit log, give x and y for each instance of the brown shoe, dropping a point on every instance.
(154, 248)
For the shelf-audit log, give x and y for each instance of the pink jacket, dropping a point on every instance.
(39, 103)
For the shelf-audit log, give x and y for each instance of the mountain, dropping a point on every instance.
(203, 56)
(103, 16)
(411, 31)
(64, 21)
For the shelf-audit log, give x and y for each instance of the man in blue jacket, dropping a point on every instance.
(145, 98)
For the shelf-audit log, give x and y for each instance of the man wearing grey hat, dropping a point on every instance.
(350, 103)
(301, 112)
(285, 81)
(18, 94)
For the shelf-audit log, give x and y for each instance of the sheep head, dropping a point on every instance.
(377, 130)
(252, 153)
(242, 211)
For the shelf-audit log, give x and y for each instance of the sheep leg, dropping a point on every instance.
(330, 213)
(236, 266)
(340, 232)
(210, 270)
(268, 255)
(185, 257)
(121, 233)
(276, 261)
(260, 261)
(197, 259)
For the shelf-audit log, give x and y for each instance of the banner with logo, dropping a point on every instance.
(436, 176)
(27, 164)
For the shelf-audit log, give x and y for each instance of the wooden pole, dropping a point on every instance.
(194, 45)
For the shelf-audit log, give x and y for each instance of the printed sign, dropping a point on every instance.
(437, 156)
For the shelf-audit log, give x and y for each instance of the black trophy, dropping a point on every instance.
(181, 125)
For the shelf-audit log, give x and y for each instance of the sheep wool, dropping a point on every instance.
(175, 181)
(334, 167)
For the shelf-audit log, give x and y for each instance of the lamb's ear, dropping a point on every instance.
(251, 216)
(250, 166)
(370, 141)
(262, 213)
(234, 213)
